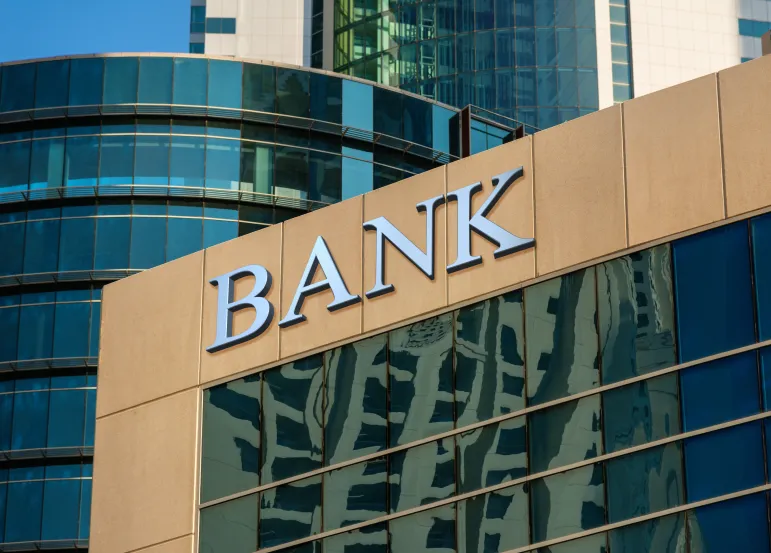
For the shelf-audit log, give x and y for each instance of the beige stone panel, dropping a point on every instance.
(340, 226)
(145, 475)
(673, 166)
(513, 212)
(579, 191)
(414, 292)
(746, 115)
(258, 248)
(150, 335)
(181, 545)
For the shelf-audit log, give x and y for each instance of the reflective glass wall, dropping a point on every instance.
(621, 408)
(531, 60)
(112, 165)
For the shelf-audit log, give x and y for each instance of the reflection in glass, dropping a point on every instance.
(420, 380)
(567, 503)
(422, 475)
(230, 457)
(737, 525)
(432, 530)
(292, 419)
(496, 521)
(644, 482)
(636, 314)
(290, 512)
(230, 526)
(591, 544)
(641, 412)
(659, 535)
(489, 359)
(492, 455)
(356, 396)
(562, 357)
(370, 539)
(565, 434)
(355, 494)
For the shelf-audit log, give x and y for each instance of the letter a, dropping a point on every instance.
(507, 243)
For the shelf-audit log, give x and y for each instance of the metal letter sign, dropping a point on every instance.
(321, 258)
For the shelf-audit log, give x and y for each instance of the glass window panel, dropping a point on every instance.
(645, 482)
(432, 530)
(567, 503)
(222, 163)
(259, 87)
(484, 51)
(86, 81)
(188, 159)
(662, 535)
(151, 164)
(492, 455)
(256, 168)
(47, 167)
(148, 242)
(81, 165)
(9, 329)
(14, 159)
(596, 543)
(30, 418)
(190, 81)
(546, 46)
(77, 244)
(421, 475)
(113, 236)
(567, 88)
(357, 105)
(216, 232)
(356, 399)
(495, 521)
(420, 380)
(708, 264)
(489, 359)
(560, 321)
(292, 92)
(327, 98)
(292, 435)
(547, 92)
(417, 121)
(121, 80)
(291, 172)
(565, 434)
(719, 391)
(3, 504)
(636, 314)
(525, 46)
(737, 525)
(85, 509)
(290, 512)
(358, 177)
(370, 539)
(18, 87)
(39, 256)
(641, 412)
(71, 329)
(715, 453)
(225, 84)
(60, 510)
(230, 526)
(66, 418)
(117, 160)
(12, 238)
(761, 249)
(184, 236)
(325, 174)
(91, 397)
(588, 93)
(230, 456)
(24, 511)
(155, 80)
(355, 494)
(52, 82)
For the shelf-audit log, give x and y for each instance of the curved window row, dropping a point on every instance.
(78, 240)
(45, 506)
(154, 84)
(258, 161)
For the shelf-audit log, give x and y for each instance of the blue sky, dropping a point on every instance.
(43, 28)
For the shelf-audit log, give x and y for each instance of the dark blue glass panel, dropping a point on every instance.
(736, 525)
(93, 345)
(546, 46)
(6, 415)
(61, 509)
(85, 509)
(88, 439)
(586, 48)
(713, 291)
(52, 82)
(3, 501)
(30, 420)
(222, 163)
(155, 80)
(720, 391)
(290, 512)
(188, 158)
(14, 159)
(12, 238)
(190, 81)
(484, 51)
(185, 236)
(151, 165)
(327, 98)
(120, 80)
(39, 256)
(76, 249)
(148, 242)
(259, 87)
(112, 243)
(225, 84)
(736, 454)
(47, 166)
(417, 121)
(18, 87)
(24, 511)
(292, 92)
(66, 418)
(761, 250)
(71, 329)
(216, 232)
(82, 161)
(117, 160)
(86, 81)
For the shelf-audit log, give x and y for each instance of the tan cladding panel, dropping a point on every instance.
(258, 248)
(513, 212)
(673, 161)
(181, 545)
(150, 334)
(340, 225)
(579, 191)
(145, 475)
(414, 292)
(746, 115)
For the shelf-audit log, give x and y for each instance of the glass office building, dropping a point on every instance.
(115, 164)
(611, 395)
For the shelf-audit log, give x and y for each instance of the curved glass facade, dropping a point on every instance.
(114, 164)
(534, 61)
(584, 414)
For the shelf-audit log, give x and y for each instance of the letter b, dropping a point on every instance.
(263, 310)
